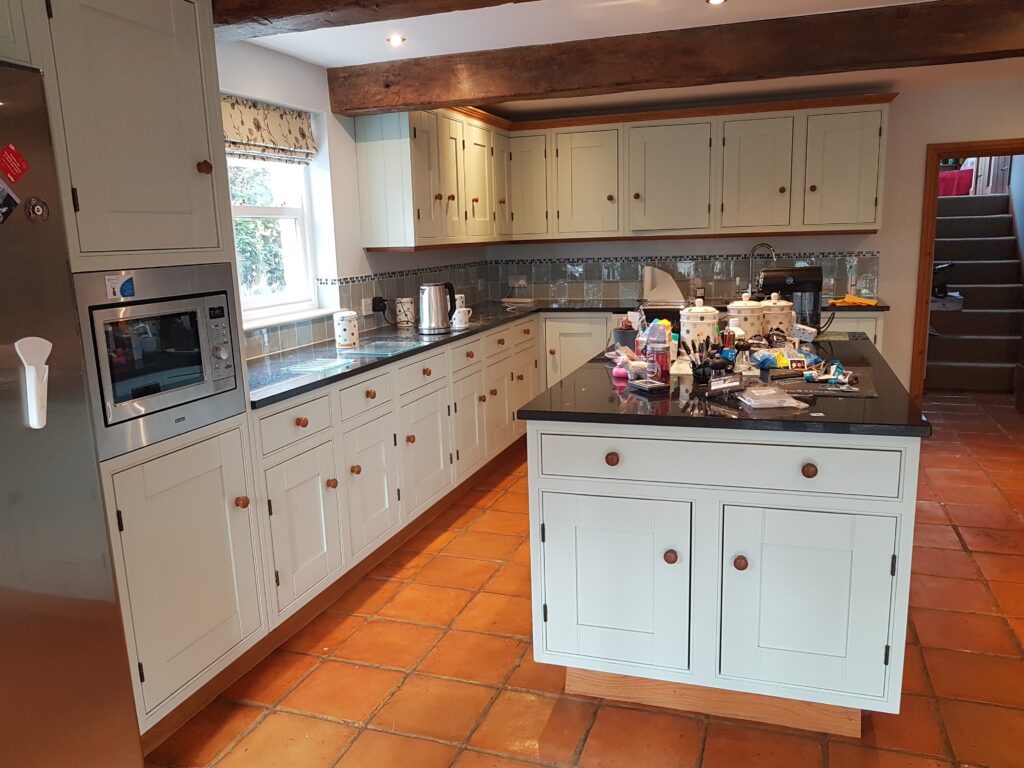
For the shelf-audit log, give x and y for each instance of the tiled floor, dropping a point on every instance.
(426, 663)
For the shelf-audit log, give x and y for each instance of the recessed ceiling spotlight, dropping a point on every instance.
(396, 39)
(714, 2)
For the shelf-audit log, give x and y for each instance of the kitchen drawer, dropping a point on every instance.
(295, 423)
(360, 398)
(465, 355)
(428, 369)
(844, 471)
(501, 340)
(525, 332)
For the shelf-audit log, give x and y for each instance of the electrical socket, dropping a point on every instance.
(517, 281)
(367, 307)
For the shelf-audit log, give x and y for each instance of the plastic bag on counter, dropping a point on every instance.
(768, 397)
(783, 357)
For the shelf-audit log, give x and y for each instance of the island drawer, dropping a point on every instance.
(292, 424)
(865, 472)
(467, 354)
(424, 371)
(360, 398)
(501, 340)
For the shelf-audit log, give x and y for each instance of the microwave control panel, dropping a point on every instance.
(218, 331)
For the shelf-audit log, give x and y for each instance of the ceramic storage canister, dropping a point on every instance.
(748, 314)
(778, 313)
(698, 321)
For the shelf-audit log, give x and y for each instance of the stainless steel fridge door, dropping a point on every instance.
(64, 672)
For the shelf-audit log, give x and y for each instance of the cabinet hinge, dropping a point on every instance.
(494, 216)
(270, 508)
(277, 578)
(886, 659)
(457, 457)
(74, 199)
(876, 202)
(120, 522)
(49, 9)
(466, 215)
(545, 215)
(414, 132)
(456, 407)
(535, 365)
(545, 153)
(492, 151)
(558, 214)
(543, 533)
(723, 141)
(879, 130)
(395, 436)
(723, 207)
(399, 493)
(142, 670)
(709, 207)
(451, 459)
(556, 152)
(463, 143)
(892, 566)
(711, 142)
(417, 214)
(449, 410)
(511, 376)
(512, 216)
(545, 611)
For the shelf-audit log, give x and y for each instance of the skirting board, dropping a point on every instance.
(790, 713)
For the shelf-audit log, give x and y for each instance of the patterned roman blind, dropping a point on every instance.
(253, 129)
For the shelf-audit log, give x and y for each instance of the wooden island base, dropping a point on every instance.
(804, 715)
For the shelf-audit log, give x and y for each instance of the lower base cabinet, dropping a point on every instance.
(370, 475)
(425, 452)
(524, 383)
(304, 505)
(189, 560)
(469, 409)
(498, 421)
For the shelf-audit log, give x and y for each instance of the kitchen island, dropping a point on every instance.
(748, 565)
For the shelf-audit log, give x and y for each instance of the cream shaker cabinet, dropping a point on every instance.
(453, 186)
(524, 381)
(529, 185)
(369, 472)
(469, 410)
(757, 171)
(669, 184)
(425, 451)
(13, 39)
(135, 82)
(587, 181)
(502, 175)
(304, 507)
(477, 164)
(498, 419)
(571, 341)
(187, 542)
(426, 176)
(843, 151)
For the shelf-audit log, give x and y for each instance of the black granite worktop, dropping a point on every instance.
(591, 395)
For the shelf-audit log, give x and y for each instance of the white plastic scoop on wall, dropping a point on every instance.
(34, 352)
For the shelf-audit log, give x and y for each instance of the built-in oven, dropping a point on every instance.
(161, 352)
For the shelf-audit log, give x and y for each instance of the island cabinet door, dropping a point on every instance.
(806, 598)
(617, 578)
(371, 476)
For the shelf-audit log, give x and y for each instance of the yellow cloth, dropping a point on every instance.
(849, 300)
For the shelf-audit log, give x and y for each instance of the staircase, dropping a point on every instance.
(978, 346)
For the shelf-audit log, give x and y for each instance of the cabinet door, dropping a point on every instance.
(529, 185)
(811, 606)
(371, 477)
(588, 181)
(135, 115)
(670, 177)
(868, 326)
(842, 168)
(305, 522)
(189, 560)
(617, 586)
(452, 182)
(502, 174)
(498, 421)
(425, 452)
(428, 199)
(522, 383)
(757, 172)
(13, 41)
(572, 342)
(469, 406)
(477, 159)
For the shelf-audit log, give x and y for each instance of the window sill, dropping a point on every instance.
(255, 323)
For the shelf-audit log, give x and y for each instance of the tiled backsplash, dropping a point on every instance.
(580, 278)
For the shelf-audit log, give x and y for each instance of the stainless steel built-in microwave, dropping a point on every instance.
(161, 352)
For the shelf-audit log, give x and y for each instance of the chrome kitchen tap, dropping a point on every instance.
(750, 256)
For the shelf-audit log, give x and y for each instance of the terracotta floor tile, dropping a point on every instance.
(290, 740)
(389, 643)
(1001, 567)
(461, 572)
(538, 727)
(534, 676)
(401, 566)
(430, 539)
(1017, 625)
(984, 517)
(931, 512)
(915, 729)
(387, 750)
(976, 677)
(346, 691)
(915, 679)
(483, 546)
(627, 738)
(842, 755)
(954, 458)
(972, 494)
(457, 518)
(206, 735)
(522, 485)
(496, 521)
(1015, 496)
(471, 759)
(729, 746)
(366, 597)
(943, 562)
(325, 633)
(498, 614)
(425, 604)
(951, 594)
(925, 493)
(479, 499)
(512, 579)
(936, 536)
(944, 477)
(1006, 478)
(492, 481)
(990, 540)
(963, 632)
(522, 554)
(272, 678)
(518, 503)
(472, 656)
(985, 735)
(1009, 596)
(430, 706)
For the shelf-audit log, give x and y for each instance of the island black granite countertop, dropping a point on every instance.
(274, 378)
(591, 395)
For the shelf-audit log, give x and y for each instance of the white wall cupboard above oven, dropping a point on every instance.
(13, 36)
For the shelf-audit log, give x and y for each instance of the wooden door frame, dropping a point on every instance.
(929, 212)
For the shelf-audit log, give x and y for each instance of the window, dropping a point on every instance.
(272, 243)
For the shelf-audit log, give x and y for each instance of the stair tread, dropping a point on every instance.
(967, 363)
(1005, 238)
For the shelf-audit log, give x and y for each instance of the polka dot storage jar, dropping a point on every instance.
(748, 315)
(698, 321)
(778, 313)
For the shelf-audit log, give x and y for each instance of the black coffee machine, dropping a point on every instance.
(801, 285)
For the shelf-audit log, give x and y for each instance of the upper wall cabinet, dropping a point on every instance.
(529, 185)
(13, 41)
(428, 198)
(477, 155)
(143, 140)
(587, 180)
(757, 172)
(843, 151)
(670, 177)
(502, 175)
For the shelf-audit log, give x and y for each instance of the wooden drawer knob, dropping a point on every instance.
(782, 190)
(809, 470)
(476, 200)
(494, 393)
(520, 377)
(302, 422)
(427, 372)
(501, 342)
(332, 483)
(501, 201)
(611, 198)
(740, 563)
(482, 398)
(636, 195)
(410, 439)
(813, 187)
(526, 331)
(371, 394)
(356, 469)
(611, 459)
(451, 197)
(242, 502)
(438, 196)
(204, 167)
(671, 556)
(471, 354)
(551, 352)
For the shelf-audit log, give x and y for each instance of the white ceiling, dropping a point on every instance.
(532, 23)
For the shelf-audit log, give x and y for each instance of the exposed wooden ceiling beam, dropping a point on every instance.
(939, 32)
(241, 19)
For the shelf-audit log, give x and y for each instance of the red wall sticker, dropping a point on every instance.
(12, 163)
